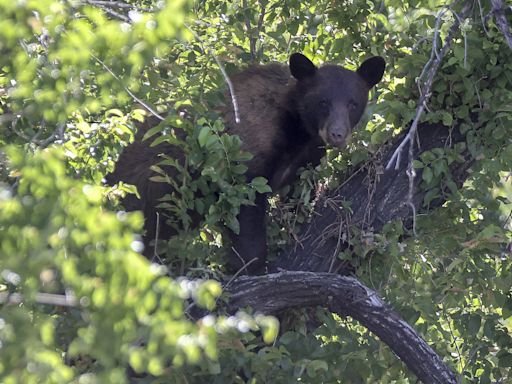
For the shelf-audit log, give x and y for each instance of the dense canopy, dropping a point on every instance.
(390, 262)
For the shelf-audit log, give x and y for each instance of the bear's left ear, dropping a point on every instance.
(372, 70)
(301, 67)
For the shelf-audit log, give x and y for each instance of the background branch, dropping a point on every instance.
(118, 4)
(254, 34)
(68, 300)
(132, 95)
(107, 9)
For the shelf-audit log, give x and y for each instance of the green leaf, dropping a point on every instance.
(427, 175)
(233, 224)
(136, 360)
(316, 365)
(417, 164)
(447, 119)
(260, 184)
(169, 139)
(270, 328)
(153, 131)
(430, 195)
(451, 186)
(474, 324)
(204, 135)
(505, 360)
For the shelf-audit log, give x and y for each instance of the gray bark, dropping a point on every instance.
(344, 295)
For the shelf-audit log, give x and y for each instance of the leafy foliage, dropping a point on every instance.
(73, 79)
(92, 255)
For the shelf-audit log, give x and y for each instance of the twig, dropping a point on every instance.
(337, 249)
(111, 12)
(425, 91)
(67, 300)
(260, 24)
(501, 21)
(145, 105)
(482, 17)
(42, 143)
(58, 132)
(155, 250)
(222, 70)
(231, 88)
(253, 38)
(433, 53)
(244, 268)
(118, 4)
(465, 39)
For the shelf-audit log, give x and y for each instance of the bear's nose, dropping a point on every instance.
(337, 139)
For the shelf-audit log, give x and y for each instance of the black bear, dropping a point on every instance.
(284, 121)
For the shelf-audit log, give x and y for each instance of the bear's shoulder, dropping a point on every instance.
(273, 74)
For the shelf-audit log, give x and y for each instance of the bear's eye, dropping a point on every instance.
(324, 103)
(352, 105)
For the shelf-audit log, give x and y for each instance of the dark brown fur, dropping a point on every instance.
(284, 122)
(134, 167)
(262, 96)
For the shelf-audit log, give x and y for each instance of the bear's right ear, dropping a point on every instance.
(301, 67)
(372, 70)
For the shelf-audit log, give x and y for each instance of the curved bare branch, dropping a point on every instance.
(344, 295)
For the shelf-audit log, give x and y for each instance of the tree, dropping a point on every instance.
(416, 210)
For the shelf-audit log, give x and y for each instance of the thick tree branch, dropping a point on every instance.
(498, 10)
(375, 198)
(274, 293)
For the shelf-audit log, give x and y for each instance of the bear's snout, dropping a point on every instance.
(336, 129)
(337, 139)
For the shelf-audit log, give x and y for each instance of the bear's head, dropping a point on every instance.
(330, 100)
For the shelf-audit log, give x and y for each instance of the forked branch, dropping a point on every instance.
(425, 86)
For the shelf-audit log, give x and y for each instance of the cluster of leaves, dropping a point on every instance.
(90, 147)
(69, 75)
(64, 61)
(126, 311)
(123, 311)
(452, 280)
